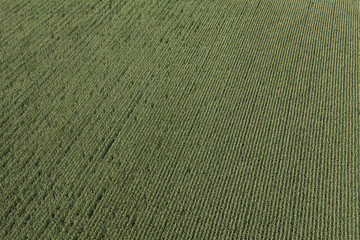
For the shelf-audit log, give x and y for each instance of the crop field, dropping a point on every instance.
(180, 119)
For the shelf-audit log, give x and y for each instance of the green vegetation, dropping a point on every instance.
(232, 119)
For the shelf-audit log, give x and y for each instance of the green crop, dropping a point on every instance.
(232, 119)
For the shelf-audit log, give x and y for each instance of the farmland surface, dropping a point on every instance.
(149, 119)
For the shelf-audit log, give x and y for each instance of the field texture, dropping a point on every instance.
(149, 119)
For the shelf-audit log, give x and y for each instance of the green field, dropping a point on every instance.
(187, 119)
